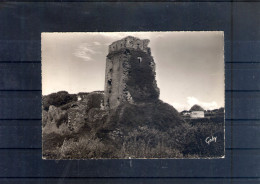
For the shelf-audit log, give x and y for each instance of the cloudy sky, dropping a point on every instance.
(189, 65)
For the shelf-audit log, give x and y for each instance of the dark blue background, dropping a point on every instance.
(21, 25)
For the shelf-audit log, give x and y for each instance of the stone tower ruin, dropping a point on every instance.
(130, 73)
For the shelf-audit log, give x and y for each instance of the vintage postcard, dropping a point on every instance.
(133, 95)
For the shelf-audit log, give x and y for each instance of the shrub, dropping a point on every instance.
(195, 143)
(144, 142)
(144, 89)
(57, 99)
(85, 147)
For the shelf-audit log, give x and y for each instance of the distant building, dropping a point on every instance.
(81, 96)
(98, 92)
(197, 112)
(185, 113)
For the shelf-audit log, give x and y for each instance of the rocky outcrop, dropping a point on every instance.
(57, 116)
(55, 120)
(73, 116)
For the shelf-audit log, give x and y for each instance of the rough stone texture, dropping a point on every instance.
(72, 117)
(130, 73)
(56, 115)
(78, 111)
(130, 42)
(55, 120)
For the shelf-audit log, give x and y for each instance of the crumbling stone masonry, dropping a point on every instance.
(130, 73)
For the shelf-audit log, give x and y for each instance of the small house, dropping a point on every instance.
(197, 112)
(185, 113)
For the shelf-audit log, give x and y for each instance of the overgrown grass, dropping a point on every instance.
(148, 143)
(143, 130)
(187, 141)
(85, 147)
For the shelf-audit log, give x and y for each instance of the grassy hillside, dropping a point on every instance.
(83, 129)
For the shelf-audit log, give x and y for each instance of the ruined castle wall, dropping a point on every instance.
(131, 43)
(114, 81)
(130, 73)
(108, 77)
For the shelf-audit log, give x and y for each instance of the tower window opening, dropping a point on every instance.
(127, 51)
(109, 81)
(139, 59)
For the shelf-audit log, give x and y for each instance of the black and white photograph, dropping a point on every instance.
(127, 95)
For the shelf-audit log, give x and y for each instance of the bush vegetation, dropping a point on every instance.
(144, 130)
(57, 99)
(186, 141)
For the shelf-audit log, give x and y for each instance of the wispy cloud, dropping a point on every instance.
(190, 101)
(97, 43)
(86, 51)
(206, 105)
